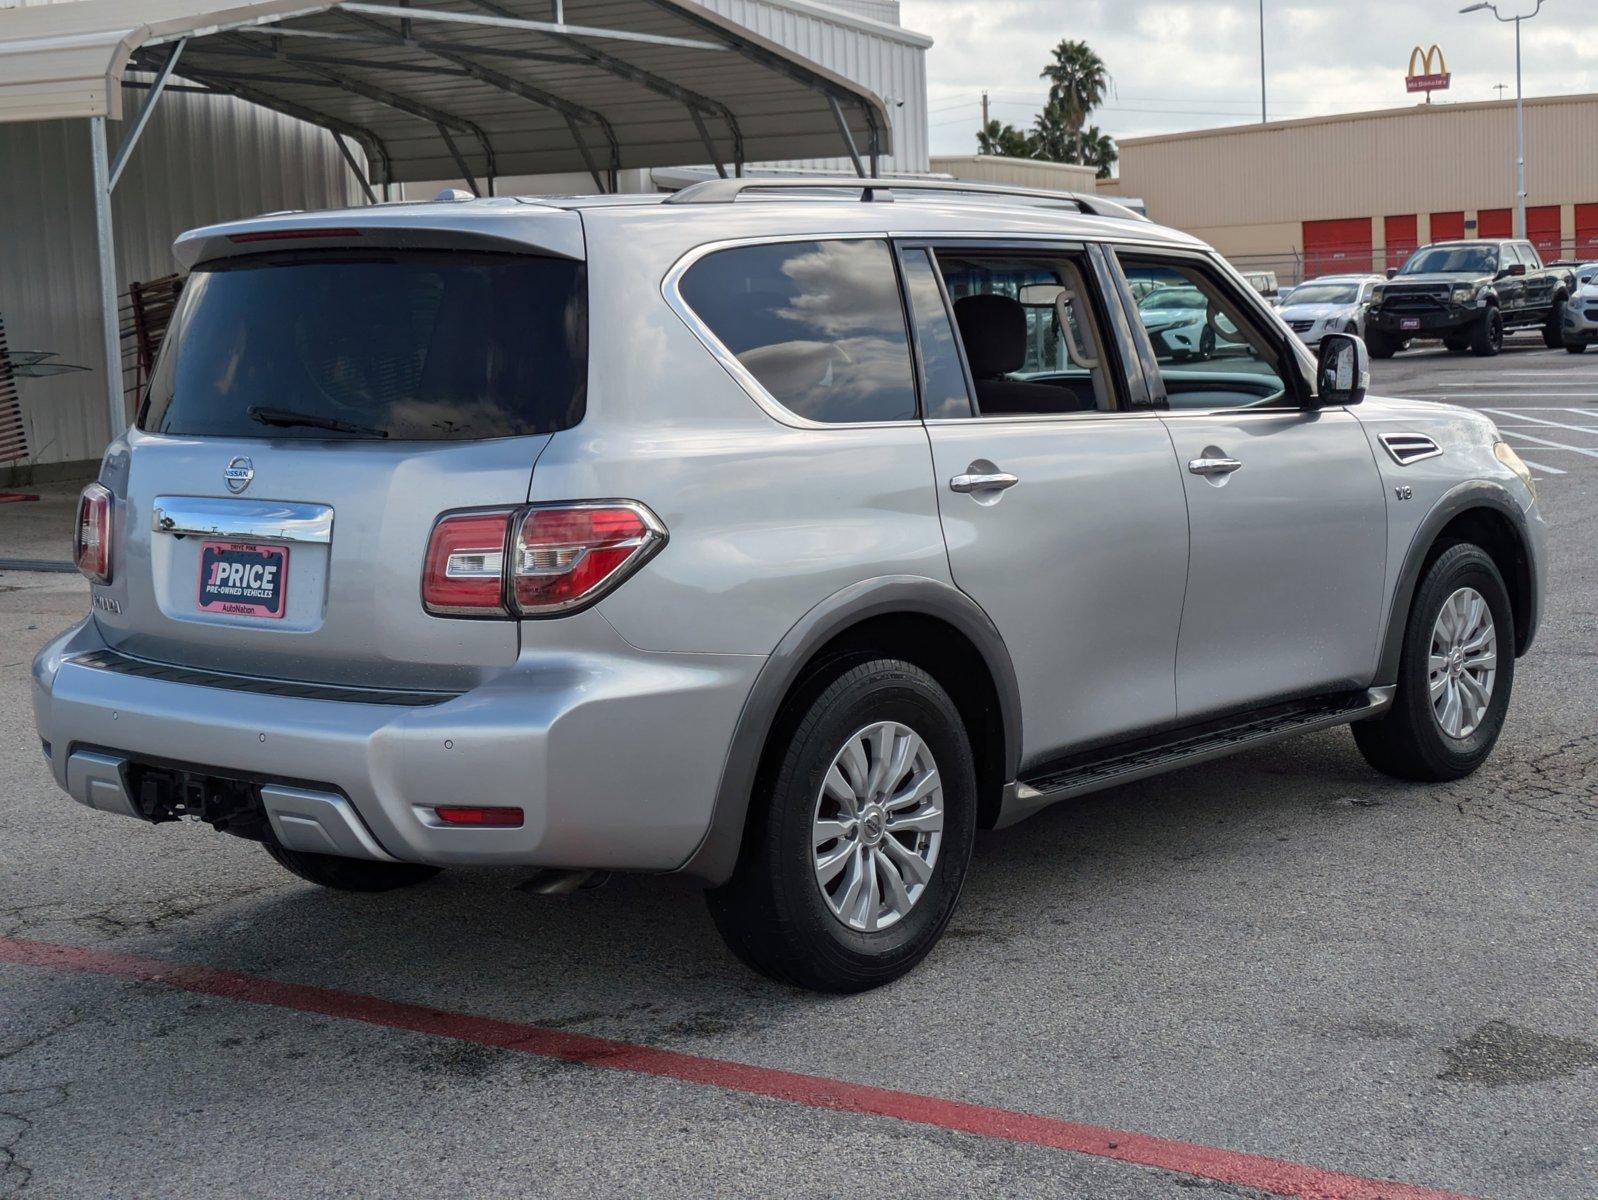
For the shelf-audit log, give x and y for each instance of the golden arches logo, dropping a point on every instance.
(1428, 70)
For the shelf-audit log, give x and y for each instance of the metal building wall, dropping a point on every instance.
(1249, 189)
(202, 159)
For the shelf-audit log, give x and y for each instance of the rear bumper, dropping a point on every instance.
(613, 754)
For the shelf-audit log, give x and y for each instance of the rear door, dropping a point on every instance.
(312, 414)
(1285, 505)
(1061, 505)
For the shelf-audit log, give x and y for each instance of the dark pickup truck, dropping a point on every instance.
(1468, 294)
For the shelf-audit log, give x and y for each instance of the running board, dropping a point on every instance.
(1028, 796)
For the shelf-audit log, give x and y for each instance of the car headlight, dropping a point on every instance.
(1465, 294)
(1377, 294)
(1505, 453)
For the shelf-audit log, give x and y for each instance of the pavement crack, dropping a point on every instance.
(18, 1108)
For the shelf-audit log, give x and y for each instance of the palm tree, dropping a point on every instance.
(1006, 140)
(1078, 82)
(1051, 134)
(1095, 148)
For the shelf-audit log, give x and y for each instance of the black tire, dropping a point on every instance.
(1408, 741)
(1487, 338)
(1554, 328)
(1380, 344)
(1457, 344)
(772, 912)
(1575, 347)
(351, 874)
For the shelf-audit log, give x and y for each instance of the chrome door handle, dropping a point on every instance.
(1213, 466)
(995, 482)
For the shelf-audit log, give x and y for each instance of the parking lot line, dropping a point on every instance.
(1542, 441)
(1274, 1176)
(1522, 419)
(1540, 467)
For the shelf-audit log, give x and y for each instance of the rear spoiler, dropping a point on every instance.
(512, 229)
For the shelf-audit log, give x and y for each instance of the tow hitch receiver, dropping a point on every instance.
(168, 793)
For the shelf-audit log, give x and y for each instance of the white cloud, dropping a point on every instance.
(1186, 64)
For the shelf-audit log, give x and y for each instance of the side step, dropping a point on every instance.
(1118, 765)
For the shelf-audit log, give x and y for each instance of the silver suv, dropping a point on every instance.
(779, 537)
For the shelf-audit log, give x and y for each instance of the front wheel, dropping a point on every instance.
(1487, 338)
(1380, 345)
(1455, 672)
(860, 836)
(1575, 347)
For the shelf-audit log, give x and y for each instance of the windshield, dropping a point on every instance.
(416, 345)
(1444, 260)
(1324, 293)
(1173, 298)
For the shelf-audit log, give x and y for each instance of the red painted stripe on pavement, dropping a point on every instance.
(1272, 1175)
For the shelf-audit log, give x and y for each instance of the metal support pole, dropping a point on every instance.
(132, 139)
(105, 254)
(848, 138)
(1263, 117)
(1520, 144)
(360, 175)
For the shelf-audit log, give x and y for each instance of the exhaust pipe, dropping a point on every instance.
(550, 882)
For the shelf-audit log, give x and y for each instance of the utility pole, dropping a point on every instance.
(1263, 117)
(984, 110)
(1520, 110)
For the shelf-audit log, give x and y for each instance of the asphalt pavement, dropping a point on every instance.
(1283, 955)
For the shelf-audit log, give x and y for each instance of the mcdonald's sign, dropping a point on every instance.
(1428, 71)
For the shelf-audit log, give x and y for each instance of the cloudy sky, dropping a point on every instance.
(1183, 64)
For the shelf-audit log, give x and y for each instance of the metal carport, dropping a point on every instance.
(471, 89)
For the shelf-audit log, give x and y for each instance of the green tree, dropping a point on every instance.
(1006, 140)
(1052, 137)
(1095, 148)
(1078, 82)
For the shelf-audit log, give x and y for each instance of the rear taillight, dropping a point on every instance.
(91, 539)
(464, 575)
(561, 557)
(565, 556)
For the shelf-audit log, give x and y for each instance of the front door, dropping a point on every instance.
(1285, 506)
(1062, 508)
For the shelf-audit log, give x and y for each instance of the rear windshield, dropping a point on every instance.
(413, 345)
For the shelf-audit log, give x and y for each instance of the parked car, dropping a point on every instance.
(726, 539)
(1264, 282)
(1469, 294)
(1581, 313)
(1330, 304)
(1177, 321)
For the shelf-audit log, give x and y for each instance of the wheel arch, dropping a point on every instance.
(1486, 514)
(924, 621)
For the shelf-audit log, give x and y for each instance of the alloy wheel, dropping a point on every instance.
(1463, 663)
(878, 826)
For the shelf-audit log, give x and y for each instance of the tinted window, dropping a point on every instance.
(819, 324)
(1465, 260)
(943, 378)
(421, 346)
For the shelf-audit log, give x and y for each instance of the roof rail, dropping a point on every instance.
(726, 191)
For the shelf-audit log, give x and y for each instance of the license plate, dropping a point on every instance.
(243, 579)
(1409, 323)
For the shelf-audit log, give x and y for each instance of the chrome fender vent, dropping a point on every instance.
(1407, 448)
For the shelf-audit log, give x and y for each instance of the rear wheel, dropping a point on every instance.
(1554, 329)
(1455, 673)
(860, 838)
(1576, 347)
(1487, 338)
(351, 874)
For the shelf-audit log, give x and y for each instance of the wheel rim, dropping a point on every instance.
(1463, 664)
(878, 826)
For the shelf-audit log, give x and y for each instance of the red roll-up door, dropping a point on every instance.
(1586, 231)
(1542, 227)
(1448, 226)
(1495, 223)
(1337, 247)
(1402, 237)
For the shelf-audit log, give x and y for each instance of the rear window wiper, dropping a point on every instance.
(288, 418)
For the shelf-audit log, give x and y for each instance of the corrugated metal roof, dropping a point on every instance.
(428, 89)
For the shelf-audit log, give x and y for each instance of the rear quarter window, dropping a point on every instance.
(414, 345)
(820, 324)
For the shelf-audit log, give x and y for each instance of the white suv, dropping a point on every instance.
(778, 536)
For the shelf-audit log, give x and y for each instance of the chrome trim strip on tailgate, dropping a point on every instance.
(244, 520)
(125, 664)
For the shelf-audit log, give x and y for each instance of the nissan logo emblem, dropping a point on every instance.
(238, 474)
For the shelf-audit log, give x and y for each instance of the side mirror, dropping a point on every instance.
(1392, 272)
(1344, 370)
(1516, 269)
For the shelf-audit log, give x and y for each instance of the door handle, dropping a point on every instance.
(1213, 466)
(997, 481)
